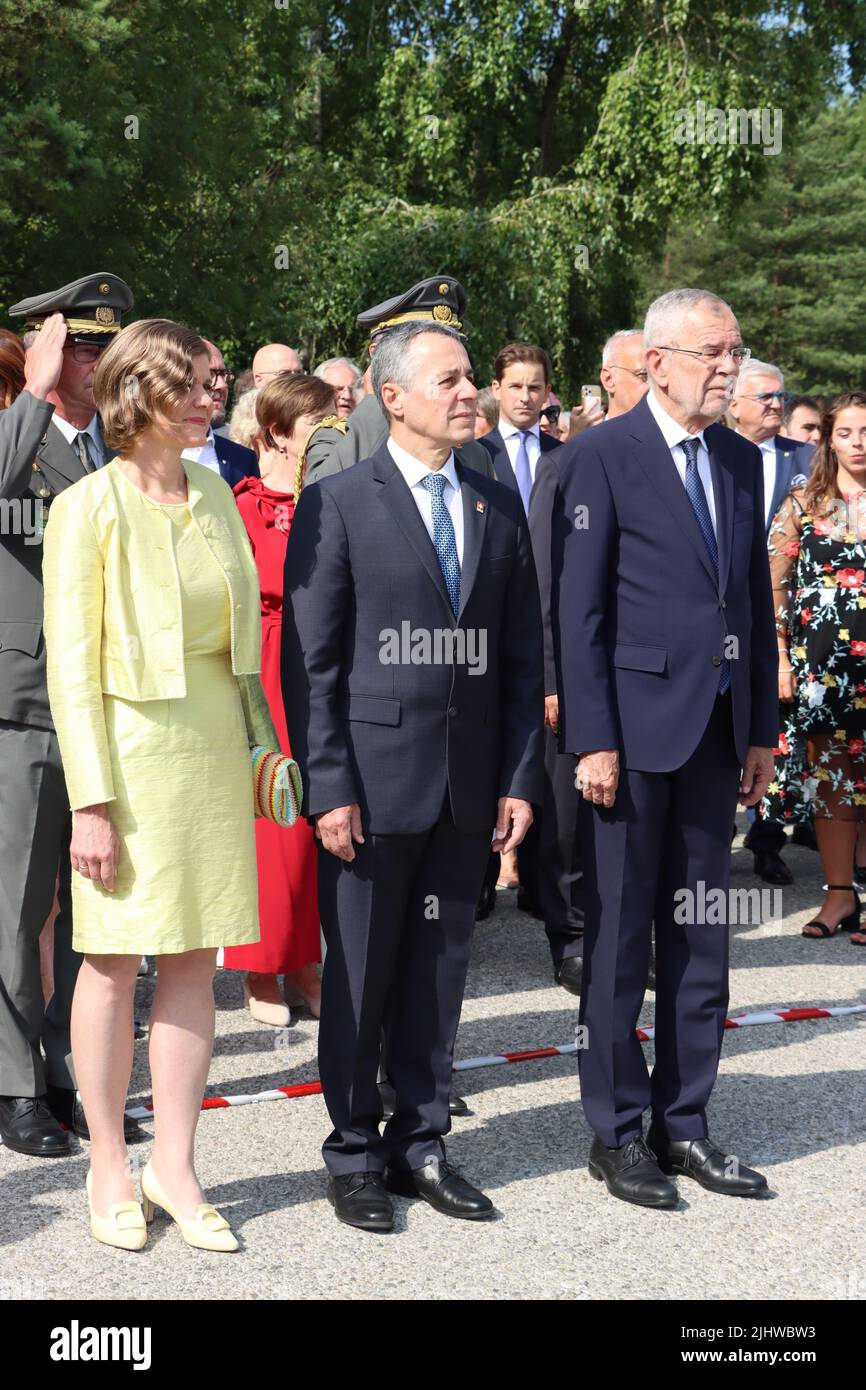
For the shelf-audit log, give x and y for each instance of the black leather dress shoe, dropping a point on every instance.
(66, 1108)
(440, 1185)
(569, 973)
(486, 902)
(360, 1199)
(28, 1126)
(772, 868)
(457, 1106)
(631, 1173)
(804, 835)
(527, 903)
(714, 1170)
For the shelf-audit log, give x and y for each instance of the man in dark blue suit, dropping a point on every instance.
(412, 678)
(548, 860)
(757, 406)
(219, 453)
(668, 698)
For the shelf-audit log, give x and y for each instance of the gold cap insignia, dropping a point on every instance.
(443, 289)
(443, 313)
(105, 288)
(104, 314)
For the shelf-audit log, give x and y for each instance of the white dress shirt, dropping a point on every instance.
(414, 473)
(71, 432)
(511, 435)
(768, 456)
(205, 453)
(674, 434)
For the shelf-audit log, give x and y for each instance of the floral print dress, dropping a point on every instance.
(818, 567)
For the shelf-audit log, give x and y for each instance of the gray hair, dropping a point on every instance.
(665, 315)
(357, 387)
(243, 425)
(618, 337)
(393, 358)
(487, 405)
(29, 338)
(755, 368)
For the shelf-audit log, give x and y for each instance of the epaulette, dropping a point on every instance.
(330, 422)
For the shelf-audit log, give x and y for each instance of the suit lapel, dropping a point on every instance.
(397, 497)
(56, 456)
(501, 461)
(475, 507)
(654, 457)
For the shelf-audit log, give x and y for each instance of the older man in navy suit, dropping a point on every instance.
(668, 698)
(412, 677)
(757, 406)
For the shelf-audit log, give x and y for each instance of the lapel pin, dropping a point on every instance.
(480, 506)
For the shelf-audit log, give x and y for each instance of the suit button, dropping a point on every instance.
(722, 603)
(452, 710)
(717, 661)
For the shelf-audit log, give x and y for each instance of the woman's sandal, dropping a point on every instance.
(851, 923)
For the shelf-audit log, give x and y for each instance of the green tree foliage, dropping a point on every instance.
(297, 160)
(792, 262)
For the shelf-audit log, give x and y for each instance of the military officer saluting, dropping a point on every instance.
(49, 439)
(334, 445)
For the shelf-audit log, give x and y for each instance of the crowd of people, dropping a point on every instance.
(505, 645)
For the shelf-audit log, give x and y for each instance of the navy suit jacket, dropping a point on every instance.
(793, 460)
(234, 460)
(641, 621)
(396, 735)
(495, 446)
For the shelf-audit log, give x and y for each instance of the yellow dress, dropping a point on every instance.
(183, 788)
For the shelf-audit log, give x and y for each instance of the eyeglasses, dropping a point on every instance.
(711, 356)
(762, 396)
(552, 412)
(85, 353)
(642, 375)
(218, 372)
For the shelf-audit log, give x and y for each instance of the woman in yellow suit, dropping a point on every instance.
(153, 644)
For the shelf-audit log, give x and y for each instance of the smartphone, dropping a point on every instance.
(587, 391)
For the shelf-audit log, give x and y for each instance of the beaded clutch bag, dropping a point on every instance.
(276, 786)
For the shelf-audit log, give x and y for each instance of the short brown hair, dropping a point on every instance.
(148, 369)
(521, 352)
(284, 400)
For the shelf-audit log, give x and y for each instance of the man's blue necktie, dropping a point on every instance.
(444, 539)
(522, 471)
(700, 506)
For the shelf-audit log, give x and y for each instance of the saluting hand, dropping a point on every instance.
(340, 830)
(44, 358)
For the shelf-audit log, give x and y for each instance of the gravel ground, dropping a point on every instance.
(789, 1099)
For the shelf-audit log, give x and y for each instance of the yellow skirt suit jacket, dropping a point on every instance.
(153, 643)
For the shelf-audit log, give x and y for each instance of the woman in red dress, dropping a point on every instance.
(286, 410)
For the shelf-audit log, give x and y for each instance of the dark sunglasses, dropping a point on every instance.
(552, 412)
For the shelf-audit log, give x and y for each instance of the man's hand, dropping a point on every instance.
(597, 776)
(513, 819)
(94, 849)
(757, 775)
(551, 713)
(43, 361)
(340, 830)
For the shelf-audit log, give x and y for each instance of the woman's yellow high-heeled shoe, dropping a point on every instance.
(206, 1229)
(124, 1226)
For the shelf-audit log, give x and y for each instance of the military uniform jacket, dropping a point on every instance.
(27, 438)
(331, 451)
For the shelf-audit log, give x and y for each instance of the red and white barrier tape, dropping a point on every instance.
(314, 1088)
